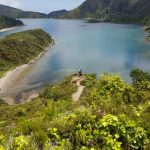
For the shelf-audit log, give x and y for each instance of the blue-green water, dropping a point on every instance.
(96, 48)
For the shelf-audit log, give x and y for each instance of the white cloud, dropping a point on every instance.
(13, 3)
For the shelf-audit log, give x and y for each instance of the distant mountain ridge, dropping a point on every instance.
(124, 11)
(57, 14)
(17, 13)
(118, 11)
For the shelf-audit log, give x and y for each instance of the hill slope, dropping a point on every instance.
(110, 115)
(125, 11)
(6, 22)
(57, 14)
(17, 13)
(19, 48)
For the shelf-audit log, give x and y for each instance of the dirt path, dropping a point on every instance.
(77, 80)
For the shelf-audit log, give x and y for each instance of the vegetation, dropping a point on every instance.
(20, 48)
(120, 11)
(147, 29)
(93, 20)
(6, 22)
(17, 13)
(56, 14)
(110, 115)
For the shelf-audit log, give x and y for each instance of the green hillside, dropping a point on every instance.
(121, 11)
(20, 48)
(110, 115)
(56, 14)
(7, 22)
(17, 13)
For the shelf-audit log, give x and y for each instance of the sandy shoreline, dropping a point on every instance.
(10, 74)
(13, 74)
(7, 29)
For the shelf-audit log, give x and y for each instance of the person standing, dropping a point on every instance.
(80, 72)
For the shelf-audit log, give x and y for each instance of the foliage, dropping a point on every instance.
(41, 138)
(111, 114)
(124, 11)
(118, 132)
(17, 13)
(22, 47)
(56, 14)
(111, 131)
(21, 142)
(63, 90)
(138, 75)
(147, 29)
(6, 22)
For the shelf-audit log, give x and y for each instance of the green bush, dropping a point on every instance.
(138, 75)
(21, 143)
(61, 91)
(7, 22)
(111, 114)
(41, 138)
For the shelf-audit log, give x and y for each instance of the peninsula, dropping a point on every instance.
(20, 48)
(18, 51)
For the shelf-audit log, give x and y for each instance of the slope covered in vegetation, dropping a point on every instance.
(17, 13)
(124, 11)
(7, 22)
(20, 48)
(111, 115)
(56, 14)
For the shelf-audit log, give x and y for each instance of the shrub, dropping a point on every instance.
(21, 142)
(41, 138)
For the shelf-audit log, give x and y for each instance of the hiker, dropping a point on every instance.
(80, 73)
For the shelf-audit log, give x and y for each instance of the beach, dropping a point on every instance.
(11, 77)
(11, 28)
(7, 29)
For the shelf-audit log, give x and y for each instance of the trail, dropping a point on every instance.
(76, 96)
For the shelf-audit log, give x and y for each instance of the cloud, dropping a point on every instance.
(13, 3)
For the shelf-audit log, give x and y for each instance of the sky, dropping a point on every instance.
(44, 6)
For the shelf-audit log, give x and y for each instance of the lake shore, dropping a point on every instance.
(12, 75)
(7, 29)
(147, 30)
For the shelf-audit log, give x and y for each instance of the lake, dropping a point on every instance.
(96, 48)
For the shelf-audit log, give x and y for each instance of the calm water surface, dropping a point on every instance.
(97, 48)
